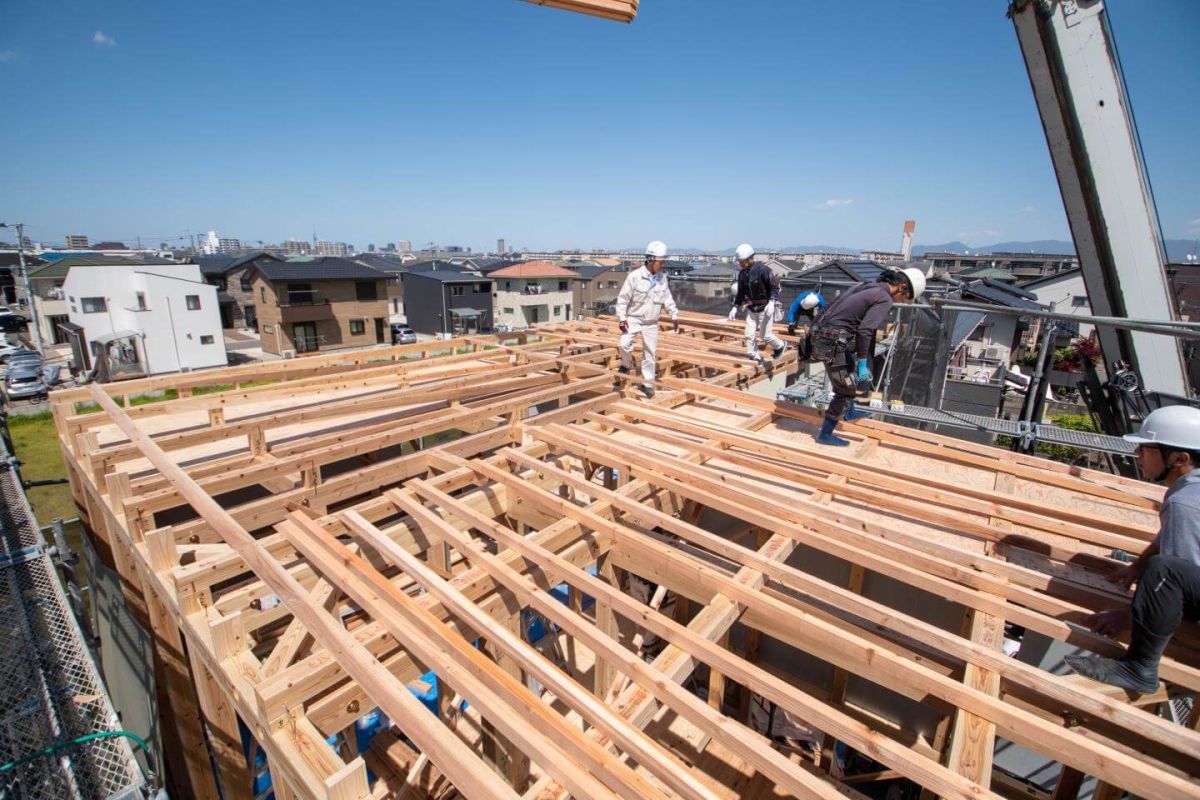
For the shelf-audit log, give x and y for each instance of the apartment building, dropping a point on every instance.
(1023, 266)
(319, 304)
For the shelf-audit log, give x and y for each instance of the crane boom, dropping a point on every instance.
(1080, 93)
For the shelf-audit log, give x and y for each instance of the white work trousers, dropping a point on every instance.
(649, 333)
(759, 324)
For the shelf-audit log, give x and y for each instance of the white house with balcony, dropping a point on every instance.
(143, 319)
(532, 293)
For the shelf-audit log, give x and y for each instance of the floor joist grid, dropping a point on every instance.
(311, 539)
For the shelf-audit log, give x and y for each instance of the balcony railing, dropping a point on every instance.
(302, 297)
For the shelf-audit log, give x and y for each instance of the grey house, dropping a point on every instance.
(446, 302)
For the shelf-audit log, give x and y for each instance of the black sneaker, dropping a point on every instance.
(623, 370)
(647, 390)
(777, 352)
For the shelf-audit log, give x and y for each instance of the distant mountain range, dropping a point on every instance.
(1177, 249)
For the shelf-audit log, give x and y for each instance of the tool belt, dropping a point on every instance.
(830, 344)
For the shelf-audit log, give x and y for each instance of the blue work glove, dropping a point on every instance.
(863, 372)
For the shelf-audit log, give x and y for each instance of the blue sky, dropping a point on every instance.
(705, 123)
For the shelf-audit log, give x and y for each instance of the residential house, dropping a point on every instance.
(323, 303)
(11, 290)
(531, 293)
(49, 295)
(994, 339)
(597, 287)
(446, 303)
(395, 268)
(135, 319)
(233, 277)
(1063, 293)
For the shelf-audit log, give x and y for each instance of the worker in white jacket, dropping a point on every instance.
(639, 305)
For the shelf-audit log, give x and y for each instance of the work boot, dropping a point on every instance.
(792, 329)
(1136, 671)
(853, 412)
(777, 352)
(647, 390)
(624, 370)
(826, 436)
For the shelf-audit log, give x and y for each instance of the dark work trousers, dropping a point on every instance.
(1167, 593)
(835, 349)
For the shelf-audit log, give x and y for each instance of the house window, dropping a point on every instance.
(482, 288)
(1079, 301)
(508, 286)
(141, 301)
(508, 311)
(366, 291)
(245, 283)
(395, 305)
(457, 291)
(558, 311)
(206, 340)
(262, 294)
(357, 327)
(193, 302)
(612, 284)
(94, 305)
(562, 286)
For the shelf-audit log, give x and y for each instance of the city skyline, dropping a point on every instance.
(553, 131)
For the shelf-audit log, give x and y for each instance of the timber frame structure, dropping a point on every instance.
(309, 538)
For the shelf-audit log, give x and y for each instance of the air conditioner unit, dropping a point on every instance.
(288, 354)
(994, 353)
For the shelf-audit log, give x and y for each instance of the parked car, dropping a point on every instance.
(12, 323)
(7, 350)
(24, 381)
(402, 334)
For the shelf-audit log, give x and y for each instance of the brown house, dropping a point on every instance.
(598, 287)
(319, 304)
(232, 276)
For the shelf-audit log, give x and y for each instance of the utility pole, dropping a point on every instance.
(33, 319)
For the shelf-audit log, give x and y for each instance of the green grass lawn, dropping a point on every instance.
(37, 448)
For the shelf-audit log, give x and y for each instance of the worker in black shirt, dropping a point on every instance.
(844, 339)
(757, 293)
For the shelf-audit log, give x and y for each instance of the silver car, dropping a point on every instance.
(24, 381)
(402, 334)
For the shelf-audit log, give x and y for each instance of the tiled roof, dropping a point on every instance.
(59, 269)
(319, 269)
(534, 269)
(450, 276)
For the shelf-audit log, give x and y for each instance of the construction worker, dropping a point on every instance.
(757, 292)
(844, 340)
(806, 305)
(643, 297)
(1167, 573)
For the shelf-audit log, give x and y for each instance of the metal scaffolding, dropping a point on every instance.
(51, 692)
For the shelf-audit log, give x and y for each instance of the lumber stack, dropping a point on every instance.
(613, 593)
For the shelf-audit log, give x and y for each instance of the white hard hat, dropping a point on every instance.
(656, 250)
(810, 301)
(744, 251)
(1173, 426)
(916, 281)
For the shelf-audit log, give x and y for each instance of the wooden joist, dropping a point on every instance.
(363, 518)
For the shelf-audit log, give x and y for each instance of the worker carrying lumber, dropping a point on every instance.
(844, 340)
(1167, 573)
(757, 293)
(641, 301)
(807, 305)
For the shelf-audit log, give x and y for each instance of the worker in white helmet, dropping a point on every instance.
(641, 301)
(844, 340)
(807, 305)
(757, 293)
(1167, 573)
